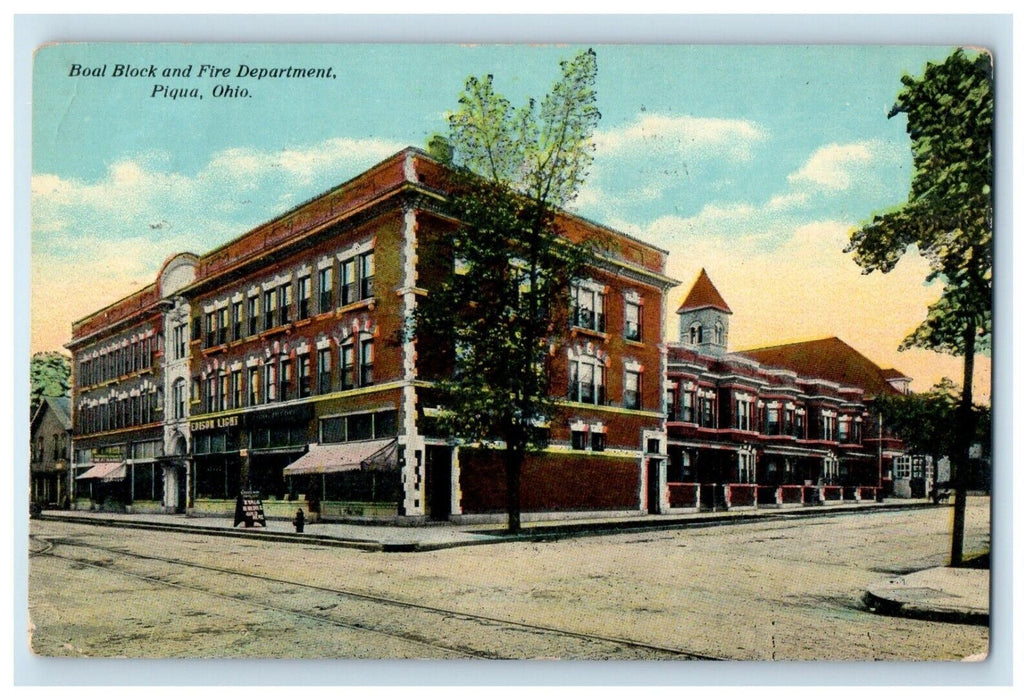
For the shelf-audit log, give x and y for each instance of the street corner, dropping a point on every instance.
(946, 594)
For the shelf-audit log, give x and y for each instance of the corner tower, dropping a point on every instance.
(704, 318)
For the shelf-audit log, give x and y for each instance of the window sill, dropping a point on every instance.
(578, 330)
(369, 303)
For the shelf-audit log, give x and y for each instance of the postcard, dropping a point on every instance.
(441, 351)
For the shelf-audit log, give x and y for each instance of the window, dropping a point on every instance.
(285, 378)
(254, 386)
(632, 389)
(211, 389)
(359, 426)
(695, 334)
(843, 428)
(586, 380)
(179, 341)
(326, 291)
(253, 315)
(673, 407)
(283, 299)
(304, 375)
(633, 321)
(688, 404)
(706, 409)
(349, 280)
(598, 441)
(799, 424)
(743, 414)
(223, 324)
(269, 306)
(903, 467)
(224, 391)
(828, 425)
(587, 307)
(179, 399)
(579, 439)
(366, 362)
(747, 462)
(304, 294)
(323, 371)
(772, 420)
(271, 394)
(788, 419)
(236, 320)
(237, 388)
(210, 327)
(347, 367)
(719, 333)
(366, 275)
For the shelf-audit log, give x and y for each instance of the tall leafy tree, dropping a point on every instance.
(498, 314)
(923, 420)
(49, 375)
(950, 112)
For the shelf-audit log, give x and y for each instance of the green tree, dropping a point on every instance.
(49, 375)
(499, 312)
(948, 218)
(923, 420)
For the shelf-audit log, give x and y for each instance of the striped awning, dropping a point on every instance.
(105, 471)
(345, 456)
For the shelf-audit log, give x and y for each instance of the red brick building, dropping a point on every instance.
(278, 363)
(770, 426)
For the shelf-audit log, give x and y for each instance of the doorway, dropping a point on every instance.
(439, 482)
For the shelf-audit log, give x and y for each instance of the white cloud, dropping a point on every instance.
(834, 166)
(681, 136)
(96, 241)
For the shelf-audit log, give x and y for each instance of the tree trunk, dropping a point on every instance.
(513, 459)
(963, 439)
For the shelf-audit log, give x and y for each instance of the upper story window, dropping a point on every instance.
(236, 389)
(633, 320)
(347, 366)
(719, 333)
(843, 428)
(253, 315)
(357, 278)
(304, 294)
(179, 341)
(237, 321)
(211, 392)
(222, 324)
(706, 409)
(210, 328)
(579, 439)
(179, 399)
(304, 375)
(323, 371)
(672, 404)
(366, 362)
(743, 411)
(269, 306)
(772, 420)
(696, 335)
(633, 387)
(254, 386)
(688, 405)
(285, 378)
(588, 308)
(828, 424)
(283, 302)
(587, 380)
(325, 289)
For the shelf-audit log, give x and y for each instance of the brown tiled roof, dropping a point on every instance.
(703, 294)
(830, 358)
(891, 373)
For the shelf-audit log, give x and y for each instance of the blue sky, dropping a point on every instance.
(753, 162)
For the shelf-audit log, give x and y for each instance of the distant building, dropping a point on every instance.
(50, 444)
(770, 426)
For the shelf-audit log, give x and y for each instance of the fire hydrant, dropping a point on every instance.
(299, 521)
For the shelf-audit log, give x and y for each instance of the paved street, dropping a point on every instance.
(764, 590)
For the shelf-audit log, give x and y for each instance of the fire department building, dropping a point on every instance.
(279, 363)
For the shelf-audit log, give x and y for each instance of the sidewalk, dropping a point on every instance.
(944, 594)
(398, 538)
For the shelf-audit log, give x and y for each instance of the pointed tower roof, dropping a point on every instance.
(703, 294)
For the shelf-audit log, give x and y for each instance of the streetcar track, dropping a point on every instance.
(243, 599)
(380, 600)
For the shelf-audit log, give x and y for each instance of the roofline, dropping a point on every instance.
(687, 309)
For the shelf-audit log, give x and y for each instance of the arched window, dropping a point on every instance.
(718, 333)
(695, 334)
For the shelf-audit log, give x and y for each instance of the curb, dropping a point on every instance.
(895, 608)
(537, 533)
